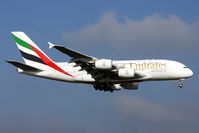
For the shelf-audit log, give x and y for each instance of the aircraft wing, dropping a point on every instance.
(87, 63)
(72, 53)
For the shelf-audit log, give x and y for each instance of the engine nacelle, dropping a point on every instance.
(126, 72)
(103, 64)
(130, 86)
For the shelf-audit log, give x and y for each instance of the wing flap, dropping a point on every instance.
(24, 66)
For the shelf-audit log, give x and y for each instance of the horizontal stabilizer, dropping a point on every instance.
(24, 66)
(69, 52)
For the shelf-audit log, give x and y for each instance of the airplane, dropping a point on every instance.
(103, 74)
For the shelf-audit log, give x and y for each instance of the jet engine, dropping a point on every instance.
(130, 86)
(126, 72)
(103, 64)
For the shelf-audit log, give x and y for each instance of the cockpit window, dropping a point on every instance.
(185, 67)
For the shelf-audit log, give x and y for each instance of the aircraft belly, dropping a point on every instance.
(165, 75)
(50, 75)
(84, 78)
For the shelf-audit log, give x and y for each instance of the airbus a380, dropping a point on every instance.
(103, 74)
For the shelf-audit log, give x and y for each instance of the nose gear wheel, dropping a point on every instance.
(181, 83)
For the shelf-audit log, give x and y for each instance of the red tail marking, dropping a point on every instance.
(48, 61)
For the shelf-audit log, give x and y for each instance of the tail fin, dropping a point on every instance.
(31, 53)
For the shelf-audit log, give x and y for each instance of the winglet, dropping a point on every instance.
(50, 45)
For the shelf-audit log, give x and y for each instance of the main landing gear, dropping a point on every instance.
(103, 87)
(181, 83)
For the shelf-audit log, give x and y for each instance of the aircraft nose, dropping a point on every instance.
(190, 73)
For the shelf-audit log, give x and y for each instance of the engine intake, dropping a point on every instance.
(103, 64)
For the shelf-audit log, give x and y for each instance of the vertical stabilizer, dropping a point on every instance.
(31, 53)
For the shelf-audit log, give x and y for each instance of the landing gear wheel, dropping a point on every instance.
(181, 81)
(180, 85)
(103, 87)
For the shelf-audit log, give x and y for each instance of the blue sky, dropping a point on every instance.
(111, 29)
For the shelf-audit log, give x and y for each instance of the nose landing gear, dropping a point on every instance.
(181, 83)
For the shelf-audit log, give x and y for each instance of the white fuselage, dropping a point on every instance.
(103, 74)
(151, 69)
